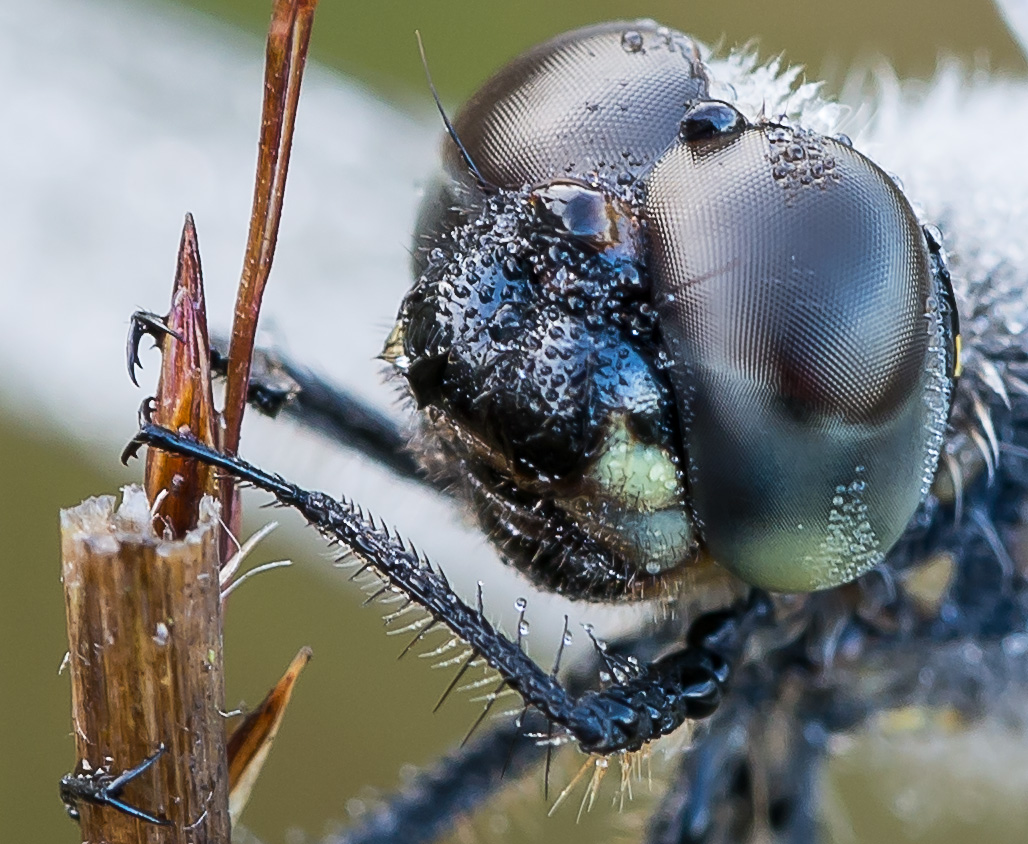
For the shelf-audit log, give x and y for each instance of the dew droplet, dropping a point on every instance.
(631, 41)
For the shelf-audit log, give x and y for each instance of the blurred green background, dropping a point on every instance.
(466, 39)
(339, 738)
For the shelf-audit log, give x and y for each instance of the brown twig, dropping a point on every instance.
(288, 40)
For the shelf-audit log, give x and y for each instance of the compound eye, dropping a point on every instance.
(605, 100)
(798, 304)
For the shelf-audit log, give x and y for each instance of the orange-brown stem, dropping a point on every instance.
(288, 40)
(184, 400)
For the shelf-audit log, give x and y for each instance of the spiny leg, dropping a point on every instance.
(278, 386)
(429, 806)
(142, 324)
(655, 699)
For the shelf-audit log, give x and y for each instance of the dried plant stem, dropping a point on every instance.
(144, 636)
(288, 40)
(184, 400)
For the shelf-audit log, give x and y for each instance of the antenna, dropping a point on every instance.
(488, 187)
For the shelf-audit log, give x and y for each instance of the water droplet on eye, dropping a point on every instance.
(837, 501)
(709, 119)
(1015, 645)
(845, 140)
(631, 41)
(520, 604)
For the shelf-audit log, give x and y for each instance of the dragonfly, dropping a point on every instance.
(921, 148)
(933, 628)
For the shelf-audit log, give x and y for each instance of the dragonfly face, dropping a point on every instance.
(683, 334)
